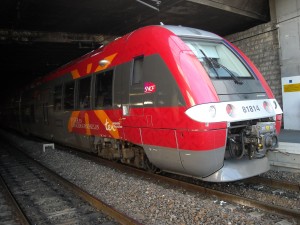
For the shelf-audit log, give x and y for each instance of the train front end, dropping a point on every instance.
(248, 139)
(245, 103)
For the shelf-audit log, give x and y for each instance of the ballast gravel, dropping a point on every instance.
(145, 200)
(282, 175)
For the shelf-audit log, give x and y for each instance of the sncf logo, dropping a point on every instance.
(149, 87)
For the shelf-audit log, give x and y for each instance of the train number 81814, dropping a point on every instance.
(251, 108)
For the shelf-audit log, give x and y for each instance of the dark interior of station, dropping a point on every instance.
(36, 37)
(168, 125)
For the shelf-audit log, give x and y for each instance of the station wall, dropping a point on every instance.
(261, 45)
(288, 23)
(274, 47)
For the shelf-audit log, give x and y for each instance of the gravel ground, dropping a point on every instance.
(260, 192)
(282, 175)
(147, 201)
(42, 199)
(7, 215)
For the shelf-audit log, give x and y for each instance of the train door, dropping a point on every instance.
(62, 107)
(45, 107)
(121, 90)
(128, 98)
(56, 114)
(136, 90)
(129, 92)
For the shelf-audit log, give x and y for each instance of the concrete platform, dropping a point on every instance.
(287, 155)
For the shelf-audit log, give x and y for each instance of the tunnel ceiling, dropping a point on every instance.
(38, 36)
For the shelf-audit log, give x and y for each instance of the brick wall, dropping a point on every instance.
(261, 45)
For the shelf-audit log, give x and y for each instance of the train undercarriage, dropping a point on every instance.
(251, 138)
(124, 152)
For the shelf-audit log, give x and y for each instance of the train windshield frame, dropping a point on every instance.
(219, 61)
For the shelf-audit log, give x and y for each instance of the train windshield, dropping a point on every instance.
(218, 60)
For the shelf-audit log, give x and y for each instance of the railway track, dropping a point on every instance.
(274, 183)
(225, 192)
(206, 188)
(203, 187)
(11, 213)
(47, 198)
(209, 189)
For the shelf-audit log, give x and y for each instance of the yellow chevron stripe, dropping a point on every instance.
(75, 74)
(105, 120)
(89, 68)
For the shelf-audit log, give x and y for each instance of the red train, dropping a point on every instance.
(172, 98)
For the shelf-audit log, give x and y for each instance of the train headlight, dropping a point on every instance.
(212, 111)
(229, 110)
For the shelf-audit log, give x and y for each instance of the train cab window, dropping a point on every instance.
(103, 89)
(137, 70)
(219, 60)
(57, 97)
(84, 93)
(69, 95)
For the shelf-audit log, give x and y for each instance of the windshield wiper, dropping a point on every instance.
(236, 79)
(210, 62)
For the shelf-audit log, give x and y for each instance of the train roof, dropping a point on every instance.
(191, 32)
(180, 31)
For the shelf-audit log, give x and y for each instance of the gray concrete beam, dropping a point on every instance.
(52, 37)
(223, 6)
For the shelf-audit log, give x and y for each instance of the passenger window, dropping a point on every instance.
(137, 70)
(84, 93)
(69, 95)
(103, 89)
(57, 97)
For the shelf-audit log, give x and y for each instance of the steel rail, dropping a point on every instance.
(13, 202)
(192, 187)
(236, 199)
(274, 183)
(92, 200)
(200, 189)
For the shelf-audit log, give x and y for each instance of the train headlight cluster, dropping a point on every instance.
(229, 110)
(234, 111)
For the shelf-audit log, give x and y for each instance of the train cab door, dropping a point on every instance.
(128, 97)
(121, 90)
(129, 90)
(136, 91)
